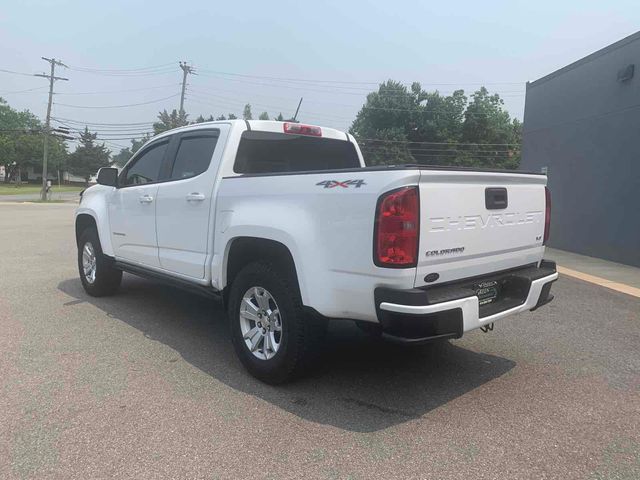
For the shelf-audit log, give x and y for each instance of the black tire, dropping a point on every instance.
(301, 336)
(372, 329)
(107, 278)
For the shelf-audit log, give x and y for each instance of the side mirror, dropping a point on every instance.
(108, 176)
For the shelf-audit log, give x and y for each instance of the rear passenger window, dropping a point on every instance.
(146, 168)
(194, 154)
(268, 152)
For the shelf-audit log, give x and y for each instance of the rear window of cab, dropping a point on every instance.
(270, 152)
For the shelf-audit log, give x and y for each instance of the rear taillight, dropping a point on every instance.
(547, 215)
(396, 228)
(301, 129)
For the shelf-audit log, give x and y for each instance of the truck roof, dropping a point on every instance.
(258, 125)
(278, 127)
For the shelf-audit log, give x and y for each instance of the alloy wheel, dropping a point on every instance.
(260, 323)
(89, 263)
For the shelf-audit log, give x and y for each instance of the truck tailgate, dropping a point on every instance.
(475, 223)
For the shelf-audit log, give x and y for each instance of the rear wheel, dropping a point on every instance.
(372, 329)
(97, 273)
(272, 335)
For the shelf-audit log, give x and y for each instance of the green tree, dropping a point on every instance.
(388, 147)
(201, 119)
(89, 156)
(122, 157)
(263, 116)
(221, 117)
(21, 143)
(167, 121)
(246, 113)
(489, 126)
(126, 153)
(398, 124)
(231, 116)
(136, 144)
(279, 118)
(385, 122)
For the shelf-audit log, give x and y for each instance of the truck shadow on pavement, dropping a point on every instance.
(361, 384)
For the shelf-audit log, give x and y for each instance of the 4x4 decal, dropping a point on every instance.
(343, 184)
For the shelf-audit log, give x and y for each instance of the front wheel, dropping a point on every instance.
(272, 335)
(97, 274)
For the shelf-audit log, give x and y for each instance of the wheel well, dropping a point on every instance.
(245, 250)
(84, 221)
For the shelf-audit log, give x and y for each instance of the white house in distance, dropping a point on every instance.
(34, 174)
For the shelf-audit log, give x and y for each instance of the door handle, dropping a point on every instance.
(496, 198)
(195, 197)
(145, 199)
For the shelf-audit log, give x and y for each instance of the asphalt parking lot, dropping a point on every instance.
(146, 385)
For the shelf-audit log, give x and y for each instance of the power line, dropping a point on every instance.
(418, 110)
(83, 122)
(120, 91)
(22, 130)
(116, 70)
(286, 79)
(78, 128)
(123, 134)
(204, 91)
(142, 128)
(207, 92)
(119, 131)
(348, 82)
(365, 151)
(432, 143)
(294, 87)
(297, 86)
(381, 95)
(23, 91)
(442, 148)
(16, 73)
(109, 142)
(135, 137)
(126, 137)
(232, 103)
(108, 131)
(136, 72)
(336, 84)
(115, 145)
(119, 106)
(439, 150)
(112, 133)
(140, 74)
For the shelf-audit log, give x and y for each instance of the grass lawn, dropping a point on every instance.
(27, 189)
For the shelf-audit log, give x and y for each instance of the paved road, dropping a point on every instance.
(145, 385)
(28, 197)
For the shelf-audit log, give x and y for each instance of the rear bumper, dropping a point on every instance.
(424, 314)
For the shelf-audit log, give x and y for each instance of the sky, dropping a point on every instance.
(270, 54)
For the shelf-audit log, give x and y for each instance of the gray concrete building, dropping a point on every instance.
(582, 125)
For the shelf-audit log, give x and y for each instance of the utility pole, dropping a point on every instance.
(47, 124)
(186, 70)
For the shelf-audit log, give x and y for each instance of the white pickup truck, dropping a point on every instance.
(287, 226)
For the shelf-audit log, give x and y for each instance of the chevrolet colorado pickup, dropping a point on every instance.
(285, 224)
